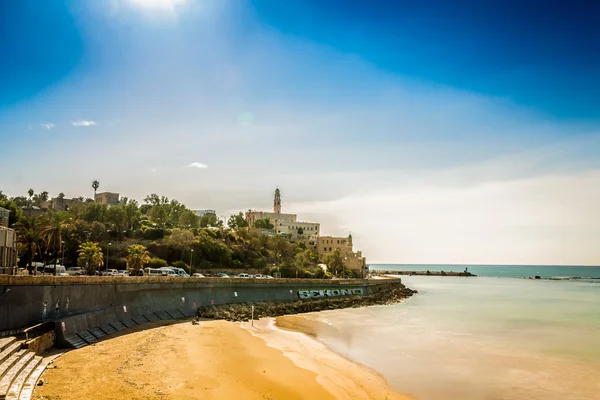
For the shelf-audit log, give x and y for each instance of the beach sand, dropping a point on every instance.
(212, 360)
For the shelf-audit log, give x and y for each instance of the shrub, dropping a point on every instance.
(156, 262)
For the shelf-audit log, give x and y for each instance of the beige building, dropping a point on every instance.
(306, 231)
(8, 245)
(108, 198)
(276, 215)
(353, 260)
(59, 204)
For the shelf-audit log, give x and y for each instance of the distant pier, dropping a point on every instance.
(425, 273)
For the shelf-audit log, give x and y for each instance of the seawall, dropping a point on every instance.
(84, 304)
(424, 273)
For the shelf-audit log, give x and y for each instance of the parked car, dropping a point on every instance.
(110, 272)
(267, 277)
(124, 273)
(258, 276)
(221, 275)
(168, 271)
(179, 271)
(197, 275)
(246, 276)
(74, 271)
(153, 272)
(60, 270)
(136, 272)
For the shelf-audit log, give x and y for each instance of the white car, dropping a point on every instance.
(197, 275)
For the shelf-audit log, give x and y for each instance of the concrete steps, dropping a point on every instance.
(76, 342)
(9, 349)
(15, 376)
(14, 392)
(34, 376)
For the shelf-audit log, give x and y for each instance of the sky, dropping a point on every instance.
(434, 131)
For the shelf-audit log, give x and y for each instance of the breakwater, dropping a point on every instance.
(243, 312)
(87, 308)
(425, 273)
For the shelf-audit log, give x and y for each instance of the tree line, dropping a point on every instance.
(157, 232)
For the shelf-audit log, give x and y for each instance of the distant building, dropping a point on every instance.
(202, 213)
(4, 215)
(57, 204)
(306, 231)
(353, 260)
(8, 245)
(108, 198)
(275, 216)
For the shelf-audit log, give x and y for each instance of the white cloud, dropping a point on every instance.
(196, 165)
(83, 122)
(48, 125)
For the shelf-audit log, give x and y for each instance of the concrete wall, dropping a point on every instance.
(81, 303)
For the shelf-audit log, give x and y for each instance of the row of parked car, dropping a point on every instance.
(164, 271)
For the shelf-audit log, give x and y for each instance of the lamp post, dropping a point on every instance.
(106, 269)
(62, 248)
(191, 257)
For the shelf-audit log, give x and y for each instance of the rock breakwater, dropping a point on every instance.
(243, 311)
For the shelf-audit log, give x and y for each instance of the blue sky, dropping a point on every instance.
(464, 126)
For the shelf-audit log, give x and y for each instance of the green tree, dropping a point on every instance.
(30, 236)
(237, 221)
(210, 220)
(334, 261)
(90, 257)
(61, 195)
(116, 218)
(156, 262)
(15, 211)
(188, 219)
(181, 240)
(264, 223)
(52, 229)
(30, 192)
(137, 257)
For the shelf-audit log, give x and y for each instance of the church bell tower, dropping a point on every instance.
(277, 202)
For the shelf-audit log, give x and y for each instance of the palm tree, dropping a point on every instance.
(30, 236)
(95, 185)
(44, 196)
(90, 257)
(137, 257)
(30, 192)
(52, 230)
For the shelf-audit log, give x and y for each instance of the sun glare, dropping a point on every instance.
(164, 4)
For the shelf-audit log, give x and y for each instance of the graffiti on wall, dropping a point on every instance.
(319, 293)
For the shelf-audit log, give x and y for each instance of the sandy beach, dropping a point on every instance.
(212, 360)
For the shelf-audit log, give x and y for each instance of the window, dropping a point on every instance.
(338, 241)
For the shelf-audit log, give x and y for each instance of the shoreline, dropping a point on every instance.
(211, 360)
(341, 376)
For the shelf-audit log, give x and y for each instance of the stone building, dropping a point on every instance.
(276, 215)
(108, 198)
(8, 245)
(59, 204)
(353, 260)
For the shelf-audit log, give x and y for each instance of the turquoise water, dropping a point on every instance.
(500, 271)
(479, 338)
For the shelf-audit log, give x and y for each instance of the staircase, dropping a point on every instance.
(19, 370)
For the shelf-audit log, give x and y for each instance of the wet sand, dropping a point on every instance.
(212, 360)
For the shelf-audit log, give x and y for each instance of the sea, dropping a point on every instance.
(497, 336)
